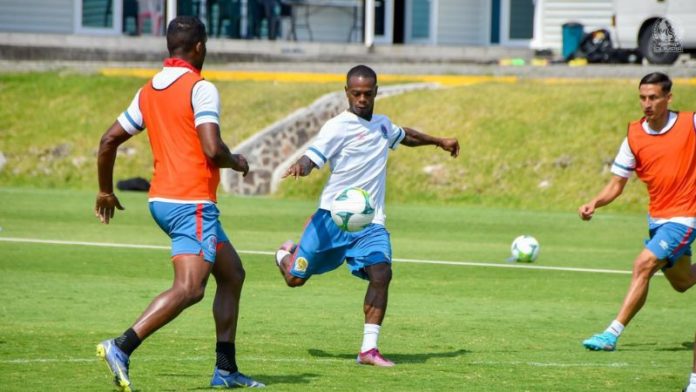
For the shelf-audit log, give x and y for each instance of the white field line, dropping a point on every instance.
(259, 252)
(552, 364)
(26, 361)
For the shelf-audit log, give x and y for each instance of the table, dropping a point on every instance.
(311, 6)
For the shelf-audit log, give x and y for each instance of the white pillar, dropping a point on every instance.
(369, 23)
(538, 39)
(244, 11)
(171, 12)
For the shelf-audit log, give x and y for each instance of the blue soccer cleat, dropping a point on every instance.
(118, 363)
(225, 379)
(604, 341)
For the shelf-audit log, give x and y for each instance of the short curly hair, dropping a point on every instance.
(184, 32)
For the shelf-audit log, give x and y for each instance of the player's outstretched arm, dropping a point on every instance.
(611, 191)
(107, 201)
(301, 168)
(414, 138)
(217, 151)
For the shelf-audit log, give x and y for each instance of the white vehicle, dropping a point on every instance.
(660, 29)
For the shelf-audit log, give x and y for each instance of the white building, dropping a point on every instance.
(527, 23)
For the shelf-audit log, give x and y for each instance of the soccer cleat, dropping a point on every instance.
(288, 247)
(118, 363)
(225, 379)
(604, 341)
(373, 357)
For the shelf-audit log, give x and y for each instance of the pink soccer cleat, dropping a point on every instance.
(374, 358)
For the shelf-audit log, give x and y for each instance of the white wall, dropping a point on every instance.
(593, 14)
(463, 22)
(37, 16)
(328, 24)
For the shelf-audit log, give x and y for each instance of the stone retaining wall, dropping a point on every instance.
(272, 150)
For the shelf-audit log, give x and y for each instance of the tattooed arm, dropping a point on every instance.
(301, 168)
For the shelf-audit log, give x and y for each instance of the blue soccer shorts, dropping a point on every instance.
(324, 247)
(193, 228)
(670, 241)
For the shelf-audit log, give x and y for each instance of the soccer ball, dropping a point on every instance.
(352, 210)
(525, 248)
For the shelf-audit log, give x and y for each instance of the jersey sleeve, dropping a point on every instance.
(327, 144)
(206, 103)
(396, 135)
(132, 119)
(625, 162)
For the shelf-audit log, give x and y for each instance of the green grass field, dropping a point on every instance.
(453, 327)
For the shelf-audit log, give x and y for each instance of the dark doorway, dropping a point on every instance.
(399, 17)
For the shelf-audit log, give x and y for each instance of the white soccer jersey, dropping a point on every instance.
(205, 101)
(356, 150)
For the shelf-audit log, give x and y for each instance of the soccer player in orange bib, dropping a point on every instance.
(661, 149)
(181, 113)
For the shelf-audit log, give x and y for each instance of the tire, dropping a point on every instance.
(646, 45)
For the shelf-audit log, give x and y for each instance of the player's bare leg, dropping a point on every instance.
(691, 387)
(375, 307)
(190, 277)
(644, 267)
(682, 275)
(229, 276)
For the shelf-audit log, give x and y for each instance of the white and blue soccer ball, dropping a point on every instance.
(525, 249)
(352, 209)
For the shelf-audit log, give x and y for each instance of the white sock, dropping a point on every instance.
(692, 383)
(615, 328)
(370, 335)
(280, 255)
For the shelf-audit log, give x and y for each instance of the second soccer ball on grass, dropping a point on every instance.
(525, 249)
(352, 210)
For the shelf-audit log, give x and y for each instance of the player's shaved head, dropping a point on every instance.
(183, 33)
(361, 71)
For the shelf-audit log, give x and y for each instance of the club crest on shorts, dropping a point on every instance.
(663, 244)
(211, 243)
(300, 264)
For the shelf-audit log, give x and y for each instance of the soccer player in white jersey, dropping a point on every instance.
(355, 143)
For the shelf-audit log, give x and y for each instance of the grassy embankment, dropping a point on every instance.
(532, 144)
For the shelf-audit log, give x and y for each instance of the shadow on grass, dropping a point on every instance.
(397, 358)
(685, 346)
(648, 346)
(303, 378)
